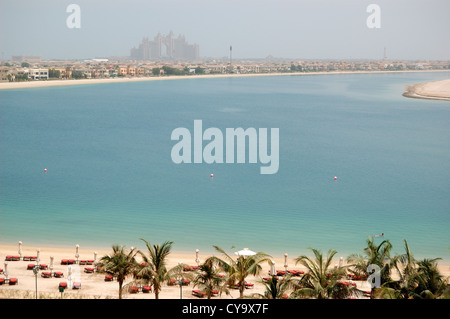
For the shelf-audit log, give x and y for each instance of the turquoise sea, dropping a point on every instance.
(110, 177)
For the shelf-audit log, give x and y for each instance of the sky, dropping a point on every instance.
(294, 29)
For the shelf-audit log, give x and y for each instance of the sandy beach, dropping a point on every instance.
(94, 286)
(36, 84)
(436, 90)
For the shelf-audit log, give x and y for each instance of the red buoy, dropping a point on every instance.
(45, 170)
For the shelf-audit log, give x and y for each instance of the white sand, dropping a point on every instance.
(93, 285)
(436, 90)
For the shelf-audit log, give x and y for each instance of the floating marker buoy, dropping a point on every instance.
(212, 175)
(335, 178)
(45, 170)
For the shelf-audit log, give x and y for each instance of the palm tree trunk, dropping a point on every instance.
(120, 290)
(241, 289)
(156, 291)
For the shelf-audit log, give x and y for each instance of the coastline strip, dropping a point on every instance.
(435, 90)
(36, 84)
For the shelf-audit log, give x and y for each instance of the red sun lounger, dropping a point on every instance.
(108, 277)
(133, 289)
(13, 281)
(76, 285)
(198, 293)
(146, 289)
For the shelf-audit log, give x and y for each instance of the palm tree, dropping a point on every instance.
(276, 288)
(423, 282)
(153, 268)
(238, 269)
(430, 283)
(209, 279)
(119, 264)
(321, 281)
(405, 264)
(373, 255)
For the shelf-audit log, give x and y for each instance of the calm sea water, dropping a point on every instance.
(110, 178)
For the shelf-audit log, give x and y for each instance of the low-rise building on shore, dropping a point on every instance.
(106, 68)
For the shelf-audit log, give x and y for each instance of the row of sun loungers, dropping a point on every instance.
(357, 277)
(41, 266)
(190, 268)
(289, 272)
(246, 285)
(173, 282)
(11, 281)
(136, 289)
(75, 285)
(56, 274)
(17, 258)
(63, 261)
(80, 262)
(347, 283)
(13, 258)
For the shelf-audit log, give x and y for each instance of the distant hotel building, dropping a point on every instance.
(27, 58)
(165, 47)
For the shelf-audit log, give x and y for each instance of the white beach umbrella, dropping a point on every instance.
(273, 270)
(51, 264)
(196, 257)
(285, 261)
(20, 249)
(245, 252)
(95, 257)
(76, 251)
(341, 262)
(38, 259)
(5, 272)
(69, 276)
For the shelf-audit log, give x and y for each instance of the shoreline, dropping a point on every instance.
(434, 90)
(93, 285)
(52, 83)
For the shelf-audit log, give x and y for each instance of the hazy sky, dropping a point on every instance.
(300, 29)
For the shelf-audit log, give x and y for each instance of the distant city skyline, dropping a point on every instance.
(297, 29)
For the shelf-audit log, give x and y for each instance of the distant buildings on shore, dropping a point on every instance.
(23, 69)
